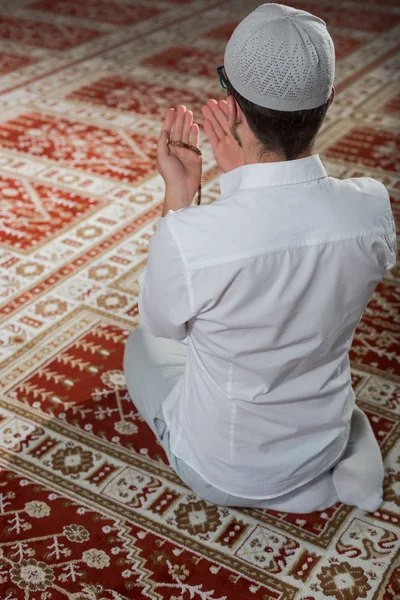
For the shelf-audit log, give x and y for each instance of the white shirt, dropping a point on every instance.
(268, 285)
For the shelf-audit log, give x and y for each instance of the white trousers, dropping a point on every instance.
(153, 366)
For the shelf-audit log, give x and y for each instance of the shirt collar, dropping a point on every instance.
(273, 174)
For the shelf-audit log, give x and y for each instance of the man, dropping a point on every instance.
(249, 305)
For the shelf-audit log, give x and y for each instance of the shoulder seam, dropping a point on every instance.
(248, 256)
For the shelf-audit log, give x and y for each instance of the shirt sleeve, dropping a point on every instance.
(164, 301)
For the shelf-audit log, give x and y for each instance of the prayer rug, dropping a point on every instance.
(89, 508)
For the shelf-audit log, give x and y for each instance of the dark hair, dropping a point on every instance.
(288, 133)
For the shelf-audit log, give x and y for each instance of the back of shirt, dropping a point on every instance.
(269, 284)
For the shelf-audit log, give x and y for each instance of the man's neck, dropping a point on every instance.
(253, 156)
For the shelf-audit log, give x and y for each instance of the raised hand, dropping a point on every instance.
(179, 167)
(227, 152)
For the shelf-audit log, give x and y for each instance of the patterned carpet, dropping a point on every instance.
(89, 509)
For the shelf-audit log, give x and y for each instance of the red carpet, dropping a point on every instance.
(89, 509)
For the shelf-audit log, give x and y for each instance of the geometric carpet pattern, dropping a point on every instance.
(89, 508)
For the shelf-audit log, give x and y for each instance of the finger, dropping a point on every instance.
(168, 121)
(195, 135)
(208, 128)
(224, 107)
(210, 120)
(219, 115)
(211, 100)
(205, 106)
(186, 127)
(177, 126)
(210, 116)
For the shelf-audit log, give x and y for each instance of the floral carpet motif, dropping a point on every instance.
(89, 508)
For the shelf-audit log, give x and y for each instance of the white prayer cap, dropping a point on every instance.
(281, 58)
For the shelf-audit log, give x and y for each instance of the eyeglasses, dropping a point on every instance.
(222, 77)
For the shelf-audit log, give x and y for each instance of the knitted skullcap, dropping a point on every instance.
(281, 58)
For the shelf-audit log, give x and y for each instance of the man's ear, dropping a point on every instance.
(234, 112)
(332, 96)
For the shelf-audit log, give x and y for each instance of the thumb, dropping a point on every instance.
(163, 152)
(162, 146)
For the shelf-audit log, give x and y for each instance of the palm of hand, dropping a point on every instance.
(180, 167)
(186, 163)
(228, 153)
